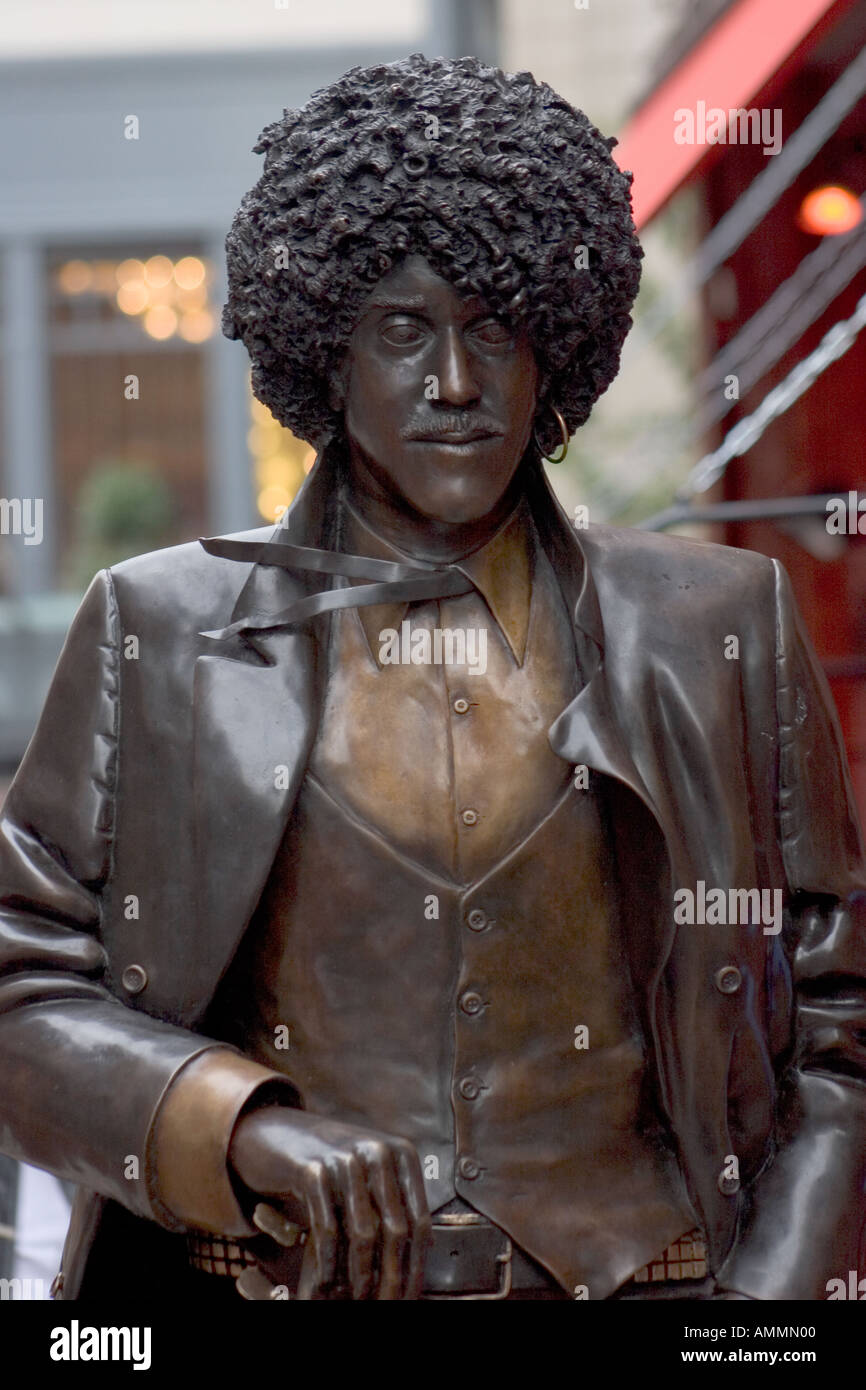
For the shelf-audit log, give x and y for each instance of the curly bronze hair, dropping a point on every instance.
(491, 176)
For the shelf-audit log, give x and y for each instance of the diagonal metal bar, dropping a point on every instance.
(782, 320)
(748, 509)
(762, 194)
(834, 344)
(762, 341)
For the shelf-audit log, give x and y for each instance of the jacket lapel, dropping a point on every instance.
(587, 730)
(254, 719)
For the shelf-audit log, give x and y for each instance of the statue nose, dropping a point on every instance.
(457, 384)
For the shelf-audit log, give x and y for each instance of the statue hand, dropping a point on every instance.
(358, 1193)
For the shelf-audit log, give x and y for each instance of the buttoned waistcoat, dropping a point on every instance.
(457, 1031)
(145, 817)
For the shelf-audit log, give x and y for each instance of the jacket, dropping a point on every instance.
(145, 816)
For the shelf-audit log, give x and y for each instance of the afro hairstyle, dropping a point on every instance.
(509, 192)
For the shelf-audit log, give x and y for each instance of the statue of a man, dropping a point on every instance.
(436, 900)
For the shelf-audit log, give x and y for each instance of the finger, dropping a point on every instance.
(361, 1231)
(254, 1285)
(308, 1282)
(276, 1225)
(319, 1268)
(394, 1225)
(420, 1220)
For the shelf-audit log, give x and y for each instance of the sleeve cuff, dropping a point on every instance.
(188, 1141)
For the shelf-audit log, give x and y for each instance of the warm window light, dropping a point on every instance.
(133, 297)
(189, 273)
(158, 271)
(196, 326)
(75, 277)
(104, 277)
(278, 471)
(130, 269)
(265, 437)
(188, 300)
(280, 460)
(160, 321)
(829, 211)
(272, 502)
(168, 297)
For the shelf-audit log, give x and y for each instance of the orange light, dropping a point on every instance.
(829, 211)
(272, 502)
(265, 437)
(158, 271)
(196, 326)
(189, 273)
(160, 321)
(132, 297)
(75, 277)
(189, 300)
(131, 269)
(105, 277)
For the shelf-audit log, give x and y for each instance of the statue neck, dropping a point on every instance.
(423, 537)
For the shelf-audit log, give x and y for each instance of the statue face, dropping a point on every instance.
(438, 395)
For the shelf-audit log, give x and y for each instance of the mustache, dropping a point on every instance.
(454, 422)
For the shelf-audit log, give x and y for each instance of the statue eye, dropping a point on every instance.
(401, 333)
(493, 331)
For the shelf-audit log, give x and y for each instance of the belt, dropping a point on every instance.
(473, 1259)
(469, 1258)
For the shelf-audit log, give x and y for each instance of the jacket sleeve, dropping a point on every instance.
(803, 1223)
(82, 1075)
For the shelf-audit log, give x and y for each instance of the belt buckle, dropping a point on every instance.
(504, 1261)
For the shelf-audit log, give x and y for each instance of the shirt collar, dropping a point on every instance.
(501, 571)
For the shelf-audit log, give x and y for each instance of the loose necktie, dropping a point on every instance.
(406, 582)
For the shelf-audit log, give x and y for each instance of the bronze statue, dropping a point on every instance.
(424, 897)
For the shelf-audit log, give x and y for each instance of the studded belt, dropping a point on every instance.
(686, 1258)
(470, 1258)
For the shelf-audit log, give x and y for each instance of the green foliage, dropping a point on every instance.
(121, 510)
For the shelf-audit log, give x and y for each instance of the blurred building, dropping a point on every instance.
(127, 135)
(779, 273)
(126, 419)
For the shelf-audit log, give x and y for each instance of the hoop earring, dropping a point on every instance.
(563, 429)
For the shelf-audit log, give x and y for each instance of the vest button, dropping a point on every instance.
(461, 706)
(467, 1168)
(471, 1003)
(728, 979)
(469, 817)
(469, 1088)
(477, 919)
(134, 979)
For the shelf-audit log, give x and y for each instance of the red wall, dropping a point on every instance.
(820, 444)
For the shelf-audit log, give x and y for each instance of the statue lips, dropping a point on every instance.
(459, 439)
(454, 426)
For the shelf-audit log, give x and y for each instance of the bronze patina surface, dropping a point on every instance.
(354, 909)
